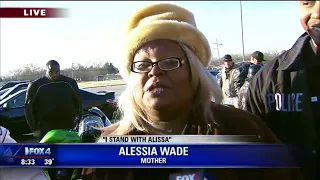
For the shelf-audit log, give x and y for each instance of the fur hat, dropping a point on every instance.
(164, 21)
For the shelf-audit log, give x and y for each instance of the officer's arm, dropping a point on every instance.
(29, 106)
(253, 101)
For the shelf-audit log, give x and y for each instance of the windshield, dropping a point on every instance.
(4, 92)
(2, 101)
(13, 90)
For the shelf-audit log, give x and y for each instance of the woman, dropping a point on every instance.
(169, 91)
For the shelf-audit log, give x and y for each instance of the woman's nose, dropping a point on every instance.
(155, 71)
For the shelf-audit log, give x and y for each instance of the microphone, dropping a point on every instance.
(190, 175)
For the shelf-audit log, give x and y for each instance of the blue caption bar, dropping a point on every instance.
(131, 155)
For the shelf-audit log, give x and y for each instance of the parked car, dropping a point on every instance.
(3, 91)
(12, 109)
(14, 89)
(242, 63)
(214, 72)
(218, 76)
(11, 84)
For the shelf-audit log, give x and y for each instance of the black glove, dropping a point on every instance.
(90, 136)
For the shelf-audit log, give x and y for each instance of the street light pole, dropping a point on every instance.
(243, 58)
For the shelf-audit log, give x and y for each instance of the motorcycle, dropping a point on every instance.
(86, 130)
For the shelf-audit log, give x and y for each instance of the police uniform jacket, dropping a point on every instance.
(286, 94)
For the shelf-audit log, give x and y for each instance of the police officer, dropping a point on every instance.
(253, 69)
(52, 102)
(230, 81)
(286, 93)
(257, 57)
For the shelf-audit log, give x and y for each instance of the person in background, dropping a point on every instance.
(257, 57)
(253, 69)
(230, 81)
(169, 91)
(18, 173)
(52, 102)
(286, 93)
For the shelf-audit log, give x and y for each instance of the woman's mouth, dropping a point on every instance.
(156, 91)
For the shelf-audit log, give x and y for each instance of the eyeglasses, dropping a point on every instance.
(168, 64)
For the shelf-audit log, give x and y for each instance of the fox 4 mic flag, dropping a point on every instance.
(190, 175)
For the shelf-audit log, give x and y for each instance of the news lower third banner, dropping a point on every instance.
(28, 12)
(120, 154)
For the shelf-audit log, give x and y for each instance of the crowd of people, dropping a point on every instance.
(234, 79)
(170, 91)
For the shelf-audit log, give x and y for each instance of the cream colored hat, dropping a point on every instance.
(164, 21)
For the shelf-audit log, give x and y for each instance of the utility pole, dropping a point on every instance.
(72, 70)
(243, 58)
(217, 47)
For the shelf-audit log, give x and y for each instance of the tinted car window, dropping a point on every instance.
(18, 101)
(11, 84)
(8, 85)
(3, 91)
(19, 88)
(13, 90)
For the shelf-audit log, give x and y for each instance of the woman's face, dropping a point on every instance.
(162, 89)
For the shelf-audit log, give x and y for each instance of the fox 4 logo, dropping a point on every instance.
(37, 151)
(186, 177)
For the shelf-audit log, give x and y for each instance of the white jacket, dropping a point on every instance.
(18, 173)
